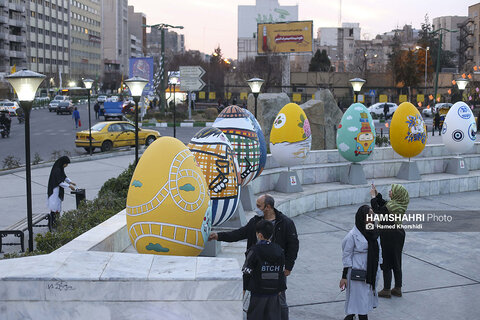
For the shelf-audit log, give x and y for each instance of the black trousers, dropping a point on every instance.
(264, 307)
(392, 242)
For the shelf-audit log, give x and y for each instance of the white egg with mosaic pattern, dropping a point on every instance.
(459, 129)
(356, 134)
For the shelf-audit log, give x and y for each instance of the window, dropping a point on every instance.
(65, 36)
(40, 45)
(47, 61)
(33, 44)
(47, 46)
(33, 29)
(54, 48)
(40, 31)
(47, 18)
(40, 60)
(32, 14)
(47, 32)
(33, 59)
(40, 16)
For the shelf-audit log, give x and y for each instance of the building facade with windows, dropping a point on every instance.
(85, 39)
(13, 35)
(48, 39)
(136, 28)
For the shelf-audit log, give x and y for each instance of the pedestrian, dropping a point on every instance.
(386, 109)
(155, 102)
(76, 117)
(57, 182)
(264, 275)
(284, 234)
(436, 121)
(391, 239)
(96, 108)
(5, 120)
(361, 258)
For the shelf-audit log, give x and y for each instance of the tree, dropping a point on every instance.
(267, 67)
(320, 62)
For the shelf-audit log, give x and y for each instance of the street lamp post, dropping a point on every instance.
(174, 81)
(461, 84)
(25, 83)
(88, 85)
(426, 64)
(357, 84)
(162, 27)
(136, 86)
(255, 85)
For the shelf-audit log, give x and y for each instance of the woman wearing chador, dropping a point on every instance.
(391, 240)
(361, 251)
(57, 182)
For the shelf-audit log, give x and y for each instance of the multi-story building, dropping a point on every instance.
(135, 47)
(264, 11)
(451, 40)
(48, 36)
(136, 27)
(85, 39)
(469, 37)
(174, 42)
(339, 44)
(13, 31)
(115, 35)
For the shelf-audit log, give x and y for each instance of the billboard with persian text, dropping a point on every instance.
(285, 37)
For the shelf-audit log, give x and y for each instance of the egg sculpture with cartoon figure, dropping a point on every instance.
(239, 129)
(356, 134)
(216, 158)
(168, 210)
(290, 138)
(408, 133)
(261, 141)
(459, 128)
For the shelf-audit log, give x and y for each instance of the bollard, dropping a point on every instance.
(433, 131)
(381, 132)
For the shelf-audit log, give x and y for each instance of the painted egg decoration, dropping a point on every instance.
(356, 134)
(290, 138)
(408, 133)
(168, 210)
(239, 129)
(459, 128)
(216, 158)
(261, 140)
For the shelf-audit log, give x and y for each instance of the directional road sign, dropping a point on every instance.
(191, 72)
(191, 84)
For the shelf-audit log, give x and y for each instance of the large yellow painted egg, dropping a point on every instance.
(168, 210)
(408, 133)
(290, 138)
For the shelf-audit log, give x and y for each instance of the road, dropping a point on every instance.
(53, 134)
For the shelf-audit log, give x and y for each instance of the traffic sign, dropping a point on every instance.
(191, 72)
(191, 84)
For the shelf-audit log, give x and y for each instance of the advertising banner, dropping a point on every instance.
(285, 37)
(142, 67)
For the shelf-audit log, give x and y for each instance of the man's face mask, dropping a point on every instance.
(259, 211)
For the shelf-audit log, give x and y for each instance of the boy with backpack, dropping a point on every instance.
(264, 275)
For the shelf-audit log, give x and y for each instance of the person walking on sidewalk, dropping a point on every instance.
(57, 182)
(263, 275)
(96, 108)
(284, 234)
(76, 117)
(392, 239)
(361, 258)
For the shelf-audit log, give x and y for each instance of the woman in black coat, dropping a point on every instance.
(57, 182)
(391, 240)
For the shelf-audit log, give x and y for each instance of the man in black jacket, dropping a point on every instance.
(284, 234)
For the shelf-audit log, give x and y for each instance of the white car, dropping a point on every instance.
(101, 99)
(113, 99)
(11, 106)
(377, 108)
(430, 111)
(52, 106)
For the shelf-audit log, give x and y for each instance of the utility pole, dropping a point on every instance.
(162, 27)
(437, 69)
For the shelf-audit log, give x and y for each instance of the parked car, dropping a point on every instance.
(377, 108)
(428, 112)
(112, 134)
(113, 99)
(10, 106)
(65, 107)
(52, 106)
(101, 99)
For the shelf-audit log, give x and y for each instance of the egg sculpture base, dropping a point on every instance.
(409, 171)
(353, 174)
(288, 182)
(212, 249)
(457, 166)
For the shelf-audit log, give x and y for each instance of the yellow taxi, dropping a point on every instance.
(111, 134)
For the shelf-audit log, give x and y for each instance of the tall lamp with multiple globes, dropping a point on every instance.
(255, 85)
(174, 81)
(25, 83)
(357, 84)
(88, 85)
(136, 86)
(461, 84)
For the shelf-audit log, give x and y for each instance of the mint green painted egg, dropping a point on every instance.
(356, 134)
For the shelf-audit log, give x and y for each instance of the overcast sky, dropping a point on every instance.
(209, 23)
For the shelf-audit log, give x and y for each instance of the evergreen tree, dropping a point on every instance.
(320, 62)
